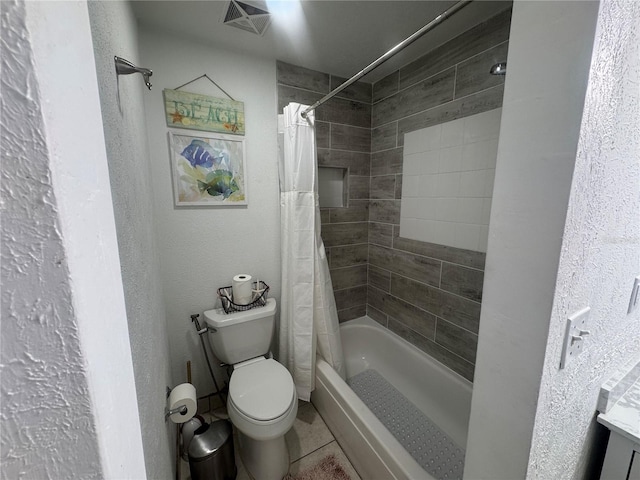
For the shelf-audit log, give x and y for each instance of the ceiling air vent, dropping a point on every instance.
(252, 17)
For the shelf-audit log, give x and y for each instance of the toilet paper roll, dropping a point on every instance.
(241, 289)
(183, 394)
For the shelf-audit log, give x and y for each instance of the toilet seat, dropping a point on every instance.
(261, 390)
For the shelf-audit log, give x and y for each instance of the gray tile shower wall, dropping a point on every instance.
(343, 138)
(429, 294)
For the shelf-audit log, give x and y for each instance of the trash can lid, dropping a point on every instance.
(208, 439)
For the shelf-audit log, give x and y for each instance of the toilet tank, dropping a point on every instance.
(240, 336)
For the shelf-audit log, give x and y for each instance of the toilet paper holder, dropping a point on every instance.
(181, 409)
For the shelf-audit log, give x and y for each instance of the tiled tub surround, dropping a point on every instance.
(424, 293)
(429, 293)
(343, 137)
(448, 174)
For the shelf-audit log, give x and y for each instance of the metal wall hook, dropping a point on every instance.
(125, 67)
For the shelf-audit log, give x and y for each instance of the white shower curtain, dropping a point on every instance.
(308, 314)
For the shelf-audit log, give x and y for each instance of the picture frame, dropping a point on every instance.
(195, 111)
(207, 170)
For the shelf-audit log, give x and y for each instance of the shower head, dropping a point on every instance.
(125, 67)
(499, 69)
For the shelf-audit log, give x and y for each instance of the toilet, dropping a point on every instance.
(262, 401)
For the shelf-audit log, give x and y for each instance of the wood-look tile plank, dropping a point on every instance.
(454, 362)
(360, 91)
(398, 191)
(384, 211)
(349, 255)
(423, 269)
(293, 75)
(463, 281)
(387, 86)
(384, 137)
(377, 315)
(325, 215)
(387, 162)
(346, 137)
(341, 110)
(336, 234)
(358, 163)
(347, 314)
(381, 233)
(349, 277)
(457, 310)
(428, 93)
(357, 211)
(351, 297)
(458, 340)
(472, 75)
(383, 187)
(323, 134)
(379, 278)
(415, 318)
(469, 258)
(358, 187)
(475, 40)
(288, 94)
(480, 102)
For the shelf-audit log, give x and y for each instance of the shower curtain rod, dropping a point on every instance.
(406, 42)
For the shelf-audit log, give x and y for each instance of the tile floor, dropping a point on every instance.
(309, 441)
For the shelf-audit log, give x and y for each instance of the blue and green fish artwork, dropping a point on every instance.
(219, 182)
(209, 171)
(201, 153)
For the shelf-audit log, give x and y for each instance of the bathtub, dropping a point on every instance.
(444, 396)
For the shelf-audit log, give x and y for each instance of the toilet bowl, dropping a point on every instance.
(262, 398)
(262, 405)
(262, 401)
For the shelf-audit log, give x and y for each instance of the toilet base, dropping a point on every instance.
(264, 459)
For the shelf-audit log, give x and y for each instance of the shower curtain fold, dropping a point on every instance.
(308, 314)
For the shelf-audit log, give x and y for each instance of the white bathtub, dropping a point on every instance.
(444, 396)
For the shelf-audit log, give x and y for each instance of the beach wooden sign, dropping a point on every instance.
(202, 112)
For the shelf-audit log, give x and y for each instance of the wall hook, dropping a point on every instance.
(125, 67)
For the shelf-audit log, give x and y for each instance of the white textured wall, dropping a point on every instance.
(550, 48)
(68, 395)
(600, 252)
(201, 249)
(40, 377)
(114, 32)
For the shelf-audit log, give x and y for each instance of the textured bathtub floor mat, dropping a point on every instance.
(422, 438)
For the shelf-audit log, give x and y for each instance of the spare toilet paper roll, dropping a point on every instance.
(183, 394)
(242, 289)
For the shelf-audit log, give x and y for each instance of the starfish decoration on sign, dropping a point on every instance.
(177, 117)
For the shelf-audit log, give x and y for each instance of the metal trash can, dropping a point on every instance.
(211, 455)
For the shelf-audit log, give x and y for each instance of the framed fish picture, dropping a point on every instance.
(208, 170)
(203, 112)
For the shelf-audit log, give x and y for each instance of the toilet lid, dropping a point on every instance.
(263, 390)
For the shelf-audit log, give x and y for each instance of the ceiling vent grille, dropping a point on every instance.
(250, 17)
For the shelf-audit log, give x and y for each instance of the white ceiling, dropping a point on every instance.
(333, 36)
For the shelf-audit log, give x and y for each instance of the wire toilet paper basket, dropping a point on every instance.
(260, 292)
